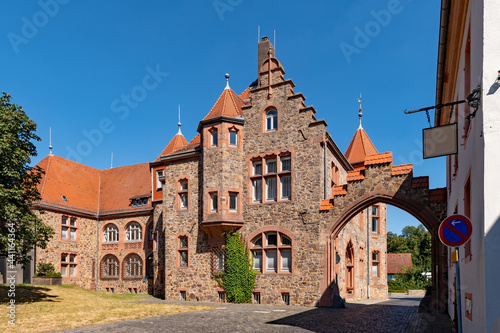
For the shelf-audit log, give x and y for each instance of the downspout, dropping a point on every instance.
(325, 164)
(368, 251)
(97, 237)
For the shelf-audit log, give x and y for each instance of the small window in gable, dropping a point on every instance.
(271, 120)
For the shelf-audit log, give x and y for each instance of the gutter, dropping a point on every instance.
(443, 37)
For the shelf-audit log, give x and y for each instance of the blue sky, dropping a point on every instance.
(107, 76)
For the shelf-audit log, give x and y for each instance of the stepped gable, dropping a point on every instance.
(177, 142)
(77, 182)
(119, 185)
(228, 105)
(360, 147)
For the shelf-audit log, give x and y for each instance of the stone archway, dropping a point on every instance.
(381, 182)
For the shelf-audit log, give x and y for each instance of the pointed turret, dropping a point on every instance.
(360, 146)
(228, 104)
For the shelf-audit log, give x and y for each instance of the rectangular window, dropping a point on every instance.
(271, 261)
(285, 298)
(375, 210)
(257, 260)
(68, 228)
(222, 297)
(184, 201)
(213, 202)
(68, 265)
(233, 202)
(257, 168)
(271, 240)
(286, 187)
(271, 189)
(286, 260)
(375, 264)
(286, 164)
(184, 185)
(257, 190)
(64, 233)
(183, 251)
(159, 185)
(375, 224)
(256, 298)
(271, 166)
(233, 138)
(214, 139)
(183, 296)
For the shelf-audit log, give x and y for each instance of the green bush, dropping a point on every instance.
(238, 278)
(46, 270)
(413, 280)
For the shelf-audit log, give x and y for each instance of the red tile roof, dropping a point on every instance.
(228, 105)
(77, 182)
(396, 261)
(360, 147)
(326, 204)
(403, 169)
(245, 94)
(177, 142)
(339, 190)
(118, 185)
(355, 175)
(381, 158)
(89, 190)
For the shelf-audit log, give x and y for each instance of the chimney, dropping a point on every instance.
(265, 47)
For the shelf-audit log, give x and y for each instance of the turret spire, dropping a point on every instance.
(179, 123)
(360, 111)
(227, 81)
(50, 141)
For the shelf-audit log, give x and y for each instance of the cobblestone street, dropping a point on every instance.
(398, 314)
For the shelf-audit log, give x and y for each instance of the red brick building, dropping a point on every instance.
(262, 164)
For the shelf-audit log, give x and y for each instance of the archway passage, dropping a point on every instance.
(381, 182)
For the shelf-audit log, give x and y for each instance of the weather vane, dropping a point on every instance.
(360, 110)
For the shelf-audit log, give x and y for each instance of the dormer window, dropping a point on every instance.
(271, 120)
(137, 202)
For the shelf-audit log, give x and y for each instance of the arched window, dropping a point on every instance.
(110, 266)
(272, 252)
(134, 232)
(110, 233)
(133, 266)
(271, 120)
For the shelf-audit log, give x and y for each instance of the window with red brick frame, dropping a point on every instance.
(69, 265)
(69, 228)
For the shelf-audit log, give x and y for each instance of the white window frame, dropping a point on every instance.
(214, 138)
(233, 202)
(133, 266)
(111, 234)
(271, 120)
(233, 134)
(133, 232)
(159, 184)
(214, 202)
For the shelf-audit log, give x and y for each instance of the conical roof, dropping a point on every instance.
(228, 105)
(360, 147)
(177, 142)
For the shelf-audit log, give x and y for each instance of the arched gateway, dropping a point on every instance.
(379, 181)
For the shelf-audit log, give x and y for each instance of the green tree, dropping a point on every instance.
(238, 279)
(414, 240)
(20, 228)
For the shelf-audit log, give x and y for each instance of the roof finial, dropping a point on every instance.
(50, 141)
(179, 123)
(227, 81)
(360, 111)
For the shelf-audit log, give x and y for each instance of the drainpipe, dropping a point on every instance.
(97, 259)
(325, 182)
(368, 251)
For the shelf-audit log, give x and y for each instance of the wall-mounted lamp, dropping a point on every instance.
(498, 78)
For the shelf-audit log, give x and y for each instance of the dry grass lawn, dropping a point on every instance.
(49, 308)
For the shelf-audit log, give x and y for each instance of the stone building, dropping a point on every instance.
(262, 164)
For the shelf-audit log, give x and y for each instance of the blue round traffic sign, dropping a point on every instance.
(455, 230)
